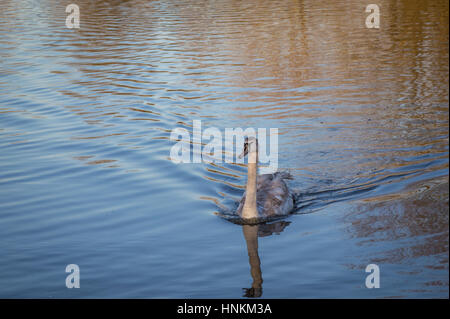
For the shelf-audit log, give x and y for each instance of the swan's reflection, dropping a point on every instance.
(251, 234)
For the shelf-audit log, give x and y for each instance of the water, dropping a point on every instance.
(85, 122)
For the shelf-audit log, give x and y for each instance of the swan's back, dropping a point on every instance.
(272, 195)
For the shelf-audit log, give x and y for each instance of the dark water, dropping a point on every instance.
(85, 121)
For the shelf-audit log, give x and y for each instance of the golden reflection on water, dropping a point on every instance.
(421, 211)
(312, 65)
(367, 100)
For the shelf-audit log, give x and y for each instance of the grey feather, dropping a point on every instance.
(273, 197)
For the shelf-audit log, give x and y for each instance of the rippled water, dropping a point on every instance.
(85, 122)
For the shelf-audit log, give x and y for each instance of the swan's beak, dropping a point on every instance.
(244, 152)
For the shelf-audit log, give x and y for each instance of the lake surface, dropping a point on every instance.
(85, 121)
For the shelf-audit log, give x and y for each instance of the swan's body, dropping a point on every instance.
(265, 195)
(272, 197)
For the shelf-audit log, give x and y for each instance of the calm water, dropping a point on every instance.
(85, 122)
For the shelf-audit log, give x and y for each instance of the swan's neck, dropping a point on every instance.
(250, 210)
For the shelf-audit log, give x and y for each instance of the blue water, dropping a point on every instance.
(85, 175)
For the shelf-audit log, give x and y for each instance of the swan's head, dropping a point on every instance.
(250, 146)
